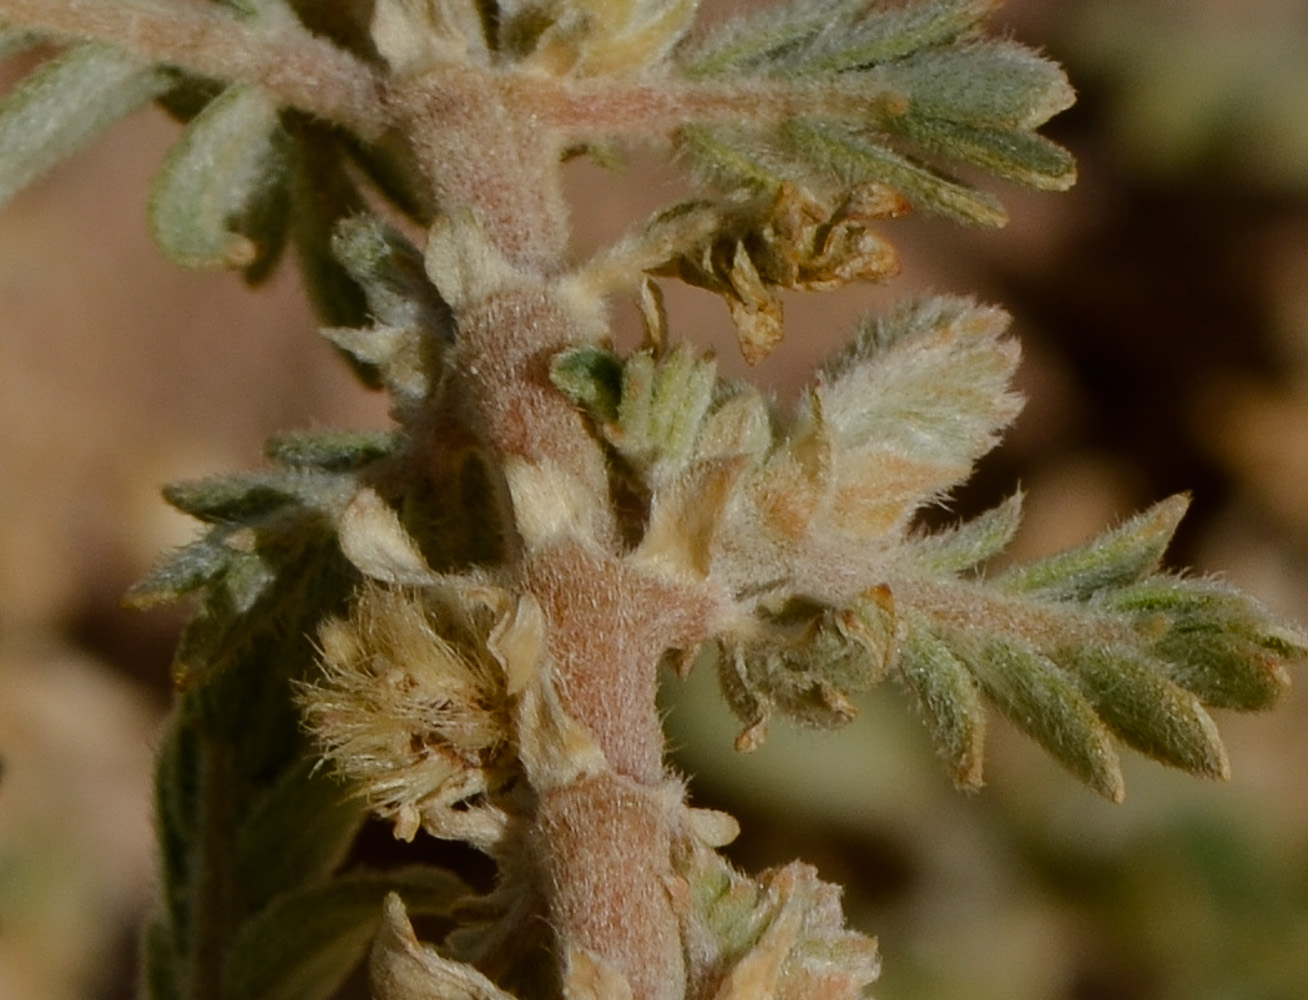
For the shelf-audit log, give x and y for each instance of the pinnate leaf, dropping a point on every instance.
(1087, 643)
(897, 92)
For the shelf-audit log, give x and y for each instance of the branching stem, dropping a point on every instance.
(304, 71)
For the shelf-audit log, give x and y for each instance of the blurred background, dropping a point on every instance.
(1163, 310)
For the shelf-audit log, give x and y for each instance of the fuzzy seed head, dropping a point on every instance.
(411, 704)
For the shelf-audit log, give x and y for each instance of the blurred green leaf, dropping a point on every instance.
(305, 942)
(65, 104)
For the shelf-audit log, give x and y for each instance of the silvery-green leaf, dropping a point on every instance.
(661, 409)
(872, 35)
(831, 36)
(391, 273)
(65, 104)
(298, 830)
(1225, 672)
(929, 381)
(990, 84)
(1022, 157)
(220, 198)
(181, 572)
(235, 499)
(322, 196)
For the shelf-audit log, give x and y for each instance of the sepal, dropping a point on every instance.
(403, 968)
(805, 660)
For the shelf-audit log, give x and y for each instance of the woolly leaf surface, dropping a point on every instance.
(64, 105)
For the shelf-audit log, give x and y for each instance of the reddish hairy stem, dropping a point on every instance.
(605, 108)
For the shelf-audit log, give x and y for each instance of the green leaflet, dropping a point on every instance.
(872, 36)
(322, 195)
(188, 569)
(854, 158)
(64, 105)
(985, 84)
(220, 199)
(662, 408)
(408, 326)
(592, 378)
(970, 543)
(390, 271)
(1133, 695)
(950, 701)
(1022, 157)
(1118, 557)
(304, 943)
(650, 409)
(276, 849)
(735, 156)
(1046, 704)
(235, 499)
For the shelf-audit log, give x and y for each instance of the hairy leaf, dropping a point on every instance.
(895, 94)
(221, 198)
(64, 105)
(1149, 712)
(330, 450)
(969, 543)
(1045, 703)
(832, 35)
(188, 569)
(853, 157)
(1116, 558)
(950, 701)
(592, 378)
